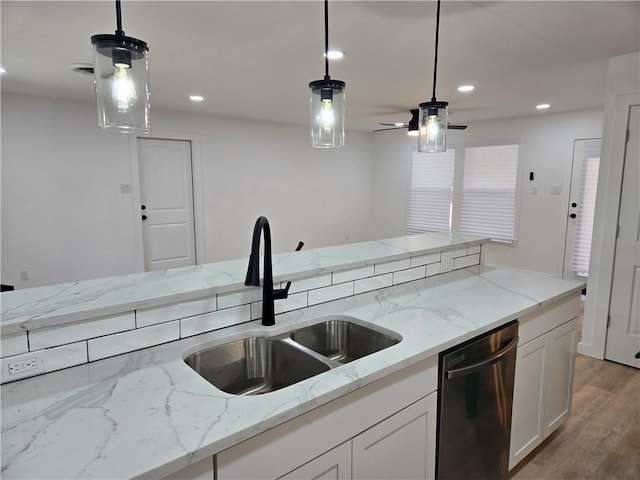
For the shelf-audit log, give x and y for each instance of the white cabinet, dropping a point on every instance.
(402, 446)
(388, 427)
(543, 384)
(202, 470)
(333, 465)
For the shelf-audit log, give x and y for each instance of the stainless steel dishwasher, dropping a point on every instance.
(475, 393)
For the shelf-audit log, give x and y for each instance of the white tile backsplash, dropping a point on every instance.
(327, 294)
(373, 283)
(228, 300)
(460, 252)
(355, 274)
(469, 260)
(388, 267)
(153, 316)
(118, 343)
(433, 269)
(425, 259)
(214, 320)
(66, 356)
(473, 249)
(293, 302)
(308, 283)
(94, 339)
(14, 344)
(75, 332)
(409, 275)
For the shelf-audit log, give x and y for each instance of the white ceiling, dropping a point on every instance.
(254, 60)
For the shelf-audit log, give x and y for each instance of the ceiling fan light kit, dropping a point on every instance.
(432, 130)
(327, 104)
(121, 78)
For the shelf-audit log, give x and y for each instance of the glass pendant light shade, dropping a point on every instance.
(432, 130)
(121, 70)
(327, 113)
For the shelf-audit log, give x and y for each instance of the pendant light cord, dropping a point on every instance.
(118, 19)
(326, 39)
(435, 58)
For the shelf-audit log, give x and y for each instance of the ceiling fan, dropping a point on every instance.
(413, 125)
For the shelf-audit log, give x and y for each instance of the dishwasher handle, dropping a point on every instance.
(495, 358)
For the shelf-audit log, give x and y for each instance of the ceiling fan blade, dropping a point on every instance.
(392, 128)
(456, 127)
(404, 125)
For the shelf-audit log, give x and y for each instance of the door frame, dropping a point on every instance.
(594, 333)
(198, 192)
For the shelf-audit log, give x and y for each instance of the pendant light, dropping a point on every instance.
(432, 135)
(327, 102)
(121, 70)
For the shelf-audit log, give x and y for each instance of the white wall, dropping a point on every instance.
(64, 218)
(623, 87)
(546, 148)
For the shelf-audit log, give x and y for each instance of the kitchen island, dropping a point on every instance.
(145, 413)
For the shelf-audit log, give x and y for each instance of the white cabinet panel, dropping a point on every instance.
(542, 389)
(333, 465)
(562, 345)
(402, 446)
(528, 400)
(202, 470)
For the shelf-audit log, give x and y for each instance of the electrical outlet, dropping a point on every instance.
(24, 365)
(24, 275)
(555, 190)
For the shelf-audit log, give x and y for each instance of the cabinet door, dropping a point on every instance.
(528, 399)
(561, 345)
(402, 446)
(333, 465)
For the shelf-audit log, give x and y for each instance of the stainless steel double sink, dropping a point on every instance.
(256, 364)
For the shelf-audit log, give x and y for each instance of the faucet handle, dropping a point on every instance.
(286, 288)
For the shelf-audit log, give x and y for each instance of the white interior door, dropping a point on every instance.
(582, 204)
(623, 333)
(166, 203)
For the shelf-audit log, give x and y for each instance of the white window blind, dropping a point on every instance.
(431, 192)
(489, 192)
(589, 163)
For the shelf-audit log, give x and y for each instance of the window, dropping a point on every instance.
(486, 184)
(489, 192)
(431, 193)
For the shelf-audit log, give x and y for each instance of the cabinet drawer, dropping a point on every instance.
(547, 318)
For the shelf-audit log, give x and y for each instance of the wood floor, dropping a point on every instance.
(601, 439)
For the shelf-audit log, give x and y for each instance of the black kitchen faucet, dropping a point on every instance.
(269, 294)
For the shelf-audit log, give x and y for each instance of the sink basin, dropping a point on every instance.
(255, 365)
(342, 341)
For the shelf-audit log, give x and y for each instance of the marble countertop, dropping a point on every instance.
(148, 414)
(46, 306)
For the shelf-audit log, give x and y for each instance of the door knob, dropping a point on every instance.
(574, 205)
(573, 215)
(143, 207)
(144, 217)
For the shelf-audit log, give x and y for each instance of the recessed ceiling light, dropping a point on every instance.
(196, 98)
(543, 106)
(335, 54)
(466, 88)
(2, 70)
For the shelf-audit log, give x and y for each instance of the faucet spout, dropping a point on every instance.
(269, 294)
